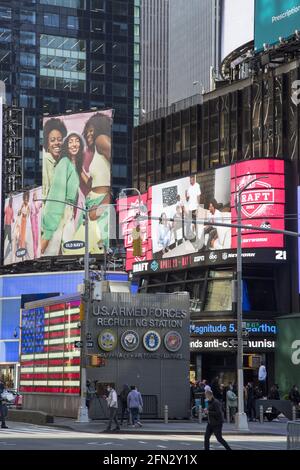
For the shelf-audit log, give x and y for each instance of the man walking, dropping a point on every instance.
(215, 421)
(112, 403)
(3, 408)
(135, 404)
(262, 379)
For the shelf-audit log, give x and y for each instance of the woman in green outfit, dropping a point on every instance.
(58, 225)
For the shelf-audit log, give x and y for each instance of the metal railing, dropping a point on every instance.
(293, 435)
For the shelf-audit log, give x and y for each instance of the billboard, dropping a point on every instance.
(1, 146)
(237, 25)
(184, 214)
(275, 19)
(22, 223)
(76, 170)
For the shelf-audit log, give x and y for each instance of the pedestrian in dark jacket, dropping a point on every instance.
(215, 421)
(123, 399)
(2, 407)
(294, 395)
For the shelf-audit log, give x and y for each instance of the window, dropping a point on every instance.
(97, 88)
(119, 171)
(120, 49)
(120, 28)
(120, 127)
(73, 22)
(98, 46)
(5, 76)
(65, 3)
(29, 122)
(27, 16)
(98, 5)
(5, 35)
(51, 105)
(97, 26)
(74, 105)
(27, 80)
(5, 13)
(98, 67)
(51, 19)
(120, 70)
(120, 8)
(27, 59)
(119, 89)
(5, 57)
(27, 38)
(27, 101)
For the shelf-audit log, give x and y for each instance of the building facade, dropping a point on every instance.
(194, 47)
(250, 120)
(154, 55)
(70, 55)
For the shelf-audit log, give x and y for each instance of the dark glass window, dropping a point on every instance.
(73, 22)
(120, 70)
(27, 16)
(5, 13)
(27, 80)
(28, 38)
(5, 35)
(120, 8)
(98, 46)
(65, 3)
(27, 101)
(27, 59)
(51, 19)
(120, 28)
(98, 26)
(119, 89)
(98, 67)
(97, 88)
(98, 5)
(120, 49)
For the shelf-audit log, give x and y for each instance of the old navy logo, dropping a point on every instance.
(253, 200)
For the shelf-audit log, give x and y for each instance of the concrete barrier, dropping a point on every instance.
(29, 416)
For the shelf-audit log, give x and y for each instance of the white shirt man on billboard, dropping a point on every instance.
(192, 196)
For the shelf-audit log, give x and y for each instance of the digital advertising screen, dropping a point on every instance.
(275, 19)
(76, 170)
(186, 215)
(22, 225)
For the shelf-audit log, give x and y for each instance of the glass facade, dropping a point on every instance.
(71, 55)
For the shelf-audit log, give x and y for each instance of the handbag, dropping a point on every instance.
(7, 396)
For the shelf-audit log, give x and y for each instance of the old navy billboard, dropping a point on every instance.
(183, 213)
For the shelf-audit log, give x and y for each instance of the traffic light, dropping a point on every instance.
(96, 361)
(137, 241)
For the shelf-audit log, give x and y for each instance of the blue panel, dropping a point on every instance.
(9, 317)
(9, 351)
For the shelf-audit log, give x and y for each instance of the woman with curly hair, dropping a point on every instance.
(54, 133)
(96, 178)
(58, 224)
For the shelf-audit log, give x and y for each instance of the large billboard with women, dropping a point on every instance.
(76, 175)
(22, 224)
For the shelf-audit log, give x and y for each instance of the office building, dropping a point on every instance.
(71, 55)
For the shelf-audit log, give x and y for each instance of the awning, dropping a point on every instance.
(119, 287)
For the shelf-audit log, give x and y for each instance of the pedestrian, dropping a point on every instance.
(123, 399)
(134, 403)
(215, 388)
(2, 406)
(250, 403)
(215, 421)
(294, 396)
(89, 393)
(231, 400)
(262, 379)
(112, 403)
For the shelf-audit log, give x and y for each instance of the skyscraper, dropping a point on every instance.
(194, 46)
(154, 54)
(71, 55)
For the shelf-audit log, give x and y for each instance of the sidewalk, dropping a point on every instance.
(173, 427)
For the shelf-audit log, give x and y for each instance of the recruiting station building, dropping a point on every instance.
(140, 340)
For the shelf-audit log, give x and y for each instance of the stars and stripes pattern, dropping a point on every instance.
(50, 363)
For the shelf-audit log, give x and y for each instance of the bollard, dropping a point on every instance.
(261, 414)
(294, 413)
(227, 414)
(200, 414)
(166, 414)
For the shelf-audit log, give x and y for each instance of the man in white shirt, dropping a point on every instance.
(112, 403)
(262, 379)
(192, 196)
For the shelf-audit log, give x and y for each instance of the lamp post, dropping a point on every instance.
(241, 417)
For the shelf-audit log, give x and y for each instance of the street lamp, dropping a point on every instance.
(241, 417)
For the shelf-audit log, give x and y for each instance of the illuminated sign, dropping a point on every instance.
(220, 344)
(225, 328)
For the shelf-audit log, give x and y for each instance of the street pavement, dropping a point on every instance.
(24, 436)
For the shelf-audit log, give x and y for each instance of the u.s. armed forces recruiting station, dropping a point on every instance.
(138, 317)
